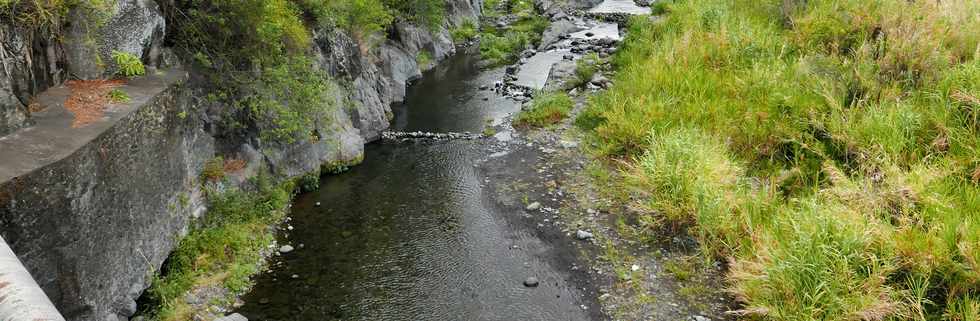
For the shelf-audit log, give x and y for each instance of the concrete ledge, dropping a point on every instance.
(52, 137)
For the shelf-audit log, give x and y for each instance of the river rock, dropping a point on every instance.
(286, 248)
(531, 282)
(533, 206)
(583, 235)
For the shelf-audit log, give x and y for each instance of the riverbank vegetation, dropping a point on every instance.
(224, 249)
(829, 151)
(546, 109)
(502, 45)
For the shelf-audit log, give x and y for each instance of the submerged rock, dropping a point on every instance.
(531, 282)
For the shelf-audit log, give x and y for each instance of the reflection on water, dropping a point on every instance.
(410, 234)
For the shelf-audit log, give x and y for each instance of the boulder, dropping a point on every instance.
(134, 26)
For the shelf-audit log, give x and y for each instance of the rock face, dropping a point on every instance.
(93, 226)
(134, 26)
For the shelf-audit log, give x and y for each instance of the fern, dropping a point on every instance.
(129, 64)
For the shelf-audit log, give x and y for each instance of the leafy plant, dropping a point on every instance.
(465, 31)
(118, 96)
(129, 65)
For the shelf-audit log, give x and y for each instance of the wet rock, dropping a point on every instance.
(568, 57)
(531, 282)
(589, 34)
(533, 206)
(510, 70)
(528, 53)
(583, 235)
(286, 248)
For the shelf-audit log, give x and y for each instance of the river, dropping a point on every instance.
(413, 233)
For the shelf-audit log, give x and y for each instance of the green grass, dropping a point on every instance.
(501, 46)
(585, 69)
(830, 148)
(466, 31)
(546, 109)
(223, 248)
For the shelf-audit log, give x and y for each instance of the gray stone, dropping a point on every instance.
(531, 282)
(232, 317)
(135, 26)
(583, 235)
(533, 206)
(285, 248)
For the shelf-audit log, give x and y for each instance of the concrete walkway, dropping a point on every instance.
(620, 6)
(52, 137)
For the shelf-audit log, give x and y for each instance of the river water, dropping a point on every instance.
(413, 234)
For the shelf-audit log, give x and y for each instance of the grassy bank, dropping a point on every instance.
(828, 150)
(223, 250)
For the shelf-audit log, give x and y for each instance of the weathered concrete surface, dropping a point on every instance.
(52, 137)
(619, 7)
(92, 225)
(23, 298)
(534, 74)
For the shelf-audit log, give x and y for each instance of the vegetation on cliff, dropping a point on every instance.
(829, 150)
(501, 45)
(223, 249)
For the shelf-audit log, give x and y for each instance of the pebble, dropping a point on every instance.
(531, 282)
(295, 276)
(533, 206)
(286, 248)
(317, 204)
(583, 235)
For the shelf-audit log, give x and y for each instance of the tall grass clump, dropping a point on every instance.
(546, 109)
(829, 150)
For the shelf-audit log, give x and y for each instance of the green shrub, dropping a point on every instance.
(424, 60)
(366, 20)
(214, 170)
(465, 31)
(129, 65)
(427, 13)
(546, 109)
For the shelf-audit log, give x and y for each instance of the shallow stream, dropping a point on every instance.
(413, 233)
